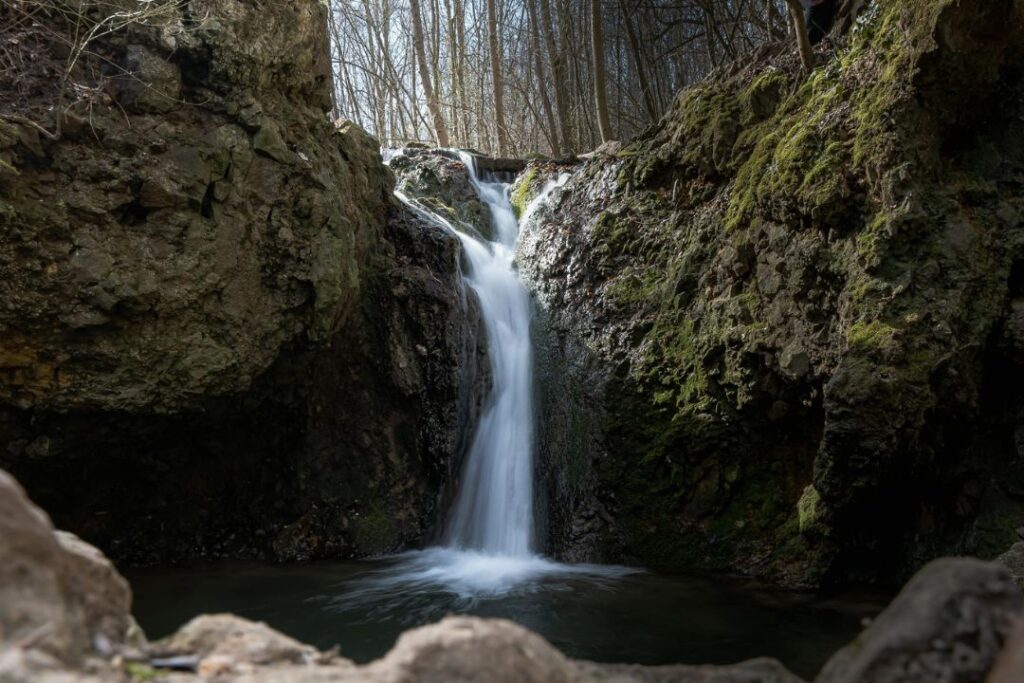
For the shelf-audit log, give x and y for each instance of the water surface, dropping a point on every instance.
(645, 618)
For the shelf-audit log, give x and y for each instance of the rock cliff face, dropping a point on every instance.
(220, 335)
(781, 332)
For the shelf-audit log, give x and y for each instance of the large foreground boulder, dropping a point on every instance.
(949, 624)
(1009, 667)
(57, 594)
(227, 637)
(459, 649)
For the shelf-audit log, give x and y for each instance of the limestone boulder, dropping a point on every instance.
(227, 638)
(442, 181)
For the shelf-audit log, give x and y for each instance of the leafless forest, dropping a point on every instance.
(531, 76)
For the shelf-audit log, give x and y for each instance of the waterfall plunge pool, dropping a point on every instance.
(605, 614)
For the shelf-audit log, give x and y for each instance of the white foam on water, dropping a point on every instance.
(466, 576)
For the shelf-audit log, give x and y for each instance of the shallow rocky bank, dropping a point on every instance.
(66, 618)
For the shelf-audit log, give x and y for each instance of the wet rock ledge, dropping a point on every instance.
(66, 618)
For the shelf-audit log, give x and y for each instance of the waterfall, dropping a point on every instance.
(493, 512)
(488, 547)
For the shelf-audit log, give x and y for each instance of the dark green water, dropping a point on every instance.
(645, 618)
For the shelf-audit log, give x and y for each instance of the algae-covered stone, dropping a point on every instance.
(808, 511)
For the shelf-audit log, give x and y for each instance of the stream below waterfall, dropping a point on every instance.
(487, 564)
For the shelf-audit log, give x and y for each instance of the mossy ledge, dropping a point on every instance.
(800, 283)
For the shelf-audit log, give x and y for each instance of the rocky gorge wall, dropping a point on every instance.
(781, 332)
(220, 335)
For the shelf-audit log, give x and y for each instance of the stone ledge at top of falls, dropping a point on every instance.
(440, 180)
(781, 332)
(66, 620)
(220, 335)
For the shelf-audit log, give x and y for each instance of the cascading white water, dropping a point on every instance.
(489, 539)
(494, 509)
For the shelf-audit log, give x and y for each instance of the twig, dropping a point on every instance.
(17, 118)
(34, 636)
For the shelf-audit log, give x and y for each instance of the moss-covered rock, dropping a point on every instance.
(220, 335)
(800, 283)
(529, 184)
(438, 178)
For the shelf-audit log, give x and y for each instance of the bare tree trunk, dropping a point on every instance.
(583, 87)
(600, 77)
(638, 61)
(803, 41)
(459, 95)
(455, 115)
(557, 58)
(709, 36)
(772, 21)
(499, 86)
(542, 86)
(428, 88)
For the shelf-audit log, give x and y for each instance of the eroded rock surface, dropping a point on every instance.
(780, 331)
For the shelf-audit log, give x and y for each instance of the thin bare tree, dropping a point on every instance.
(600, 76)
(440, 130)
